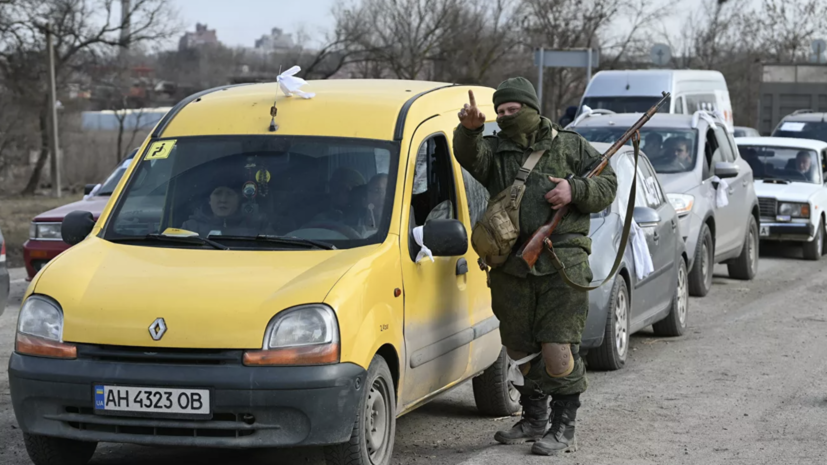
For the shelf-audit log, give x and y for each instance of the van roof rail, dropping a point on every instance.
(802, 111)
(587, 112)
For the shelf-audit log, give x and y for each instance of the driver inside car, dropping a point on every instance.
(222, 215)
(804, 166)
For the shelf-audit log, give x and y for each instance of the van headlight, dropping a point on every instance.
(682, 203)
(304, 335)
(40, 329)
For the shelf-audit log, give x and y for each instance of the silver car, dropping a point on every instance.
(692, 154)
(627, 304)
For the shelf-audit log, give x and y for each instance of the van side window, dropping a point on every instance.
(434, 191)
(651, 187)
(679, 105)
(701, 102)
(712, 154)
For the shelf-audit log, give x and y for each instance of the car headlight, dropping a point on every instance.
(682, 203)
(45, 231)
(794, 210)
(40, 329)
(305, 335)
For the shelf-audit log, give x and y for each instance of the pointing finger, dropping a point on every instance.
(471, 99)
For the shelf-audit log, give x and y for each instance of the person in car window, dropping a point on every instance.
(804, 166)
(678, 149)
(222, 215)
(653, 145)
(343, 205)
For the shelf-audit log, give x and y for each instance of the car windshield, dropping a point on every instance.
(782, 163)
(802, 130)
(333, 190)
(625, 104)
(112, 181)
(669, 150)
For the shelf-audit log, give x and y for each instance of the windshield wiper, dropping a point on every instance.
(194, 240)
(289, 240)
(776, 181)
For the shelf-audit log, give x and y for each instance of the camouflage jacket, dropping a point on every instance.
(495, 160)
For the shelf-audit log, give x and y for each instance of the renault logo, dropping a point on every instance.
(157, 329)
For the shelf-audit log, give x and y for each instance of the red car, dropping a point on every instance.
(45, 242)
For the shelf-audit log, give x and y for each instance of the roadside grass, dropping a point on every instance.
(16, 214)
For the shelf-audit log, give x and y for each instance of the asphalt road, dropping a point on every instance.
(745, 385)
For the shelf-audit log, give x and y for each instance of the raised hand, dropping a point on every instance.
(470, 116)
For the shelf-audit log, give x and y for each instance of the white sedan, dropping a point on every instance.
(790, 185)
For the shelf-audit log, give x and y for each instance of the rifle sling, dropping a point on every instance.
(627, 226)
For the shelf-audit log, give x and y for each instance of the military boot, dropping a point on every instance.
(560, 436)
(534, 421)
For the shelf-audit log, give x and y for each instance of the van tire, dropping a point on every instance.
(700, 279)
(493, 392)
(814, 249)
(46, 450)
(745, 266)
(378, 404)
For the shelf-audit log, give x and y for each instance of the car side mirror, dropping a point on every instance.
(725, 169)
(76, 226)
(445, 238)
(87, 189)
(646, 217)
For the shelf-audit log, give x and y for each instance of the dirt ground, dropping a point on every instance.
(747, 384)
(16, 214)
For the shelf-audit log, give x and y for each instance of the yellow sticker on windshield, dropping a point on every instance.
(160, 150)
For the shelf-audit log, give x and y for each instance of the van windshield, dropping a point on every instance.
(232, 189)
(670, 150)
(782, 163)
(625, 104)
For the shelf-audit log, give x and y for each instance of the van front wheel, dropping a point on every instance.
(371, 442)
(46, 450)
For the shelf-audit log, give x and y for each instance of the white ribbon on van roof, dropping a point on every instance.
(290, 84)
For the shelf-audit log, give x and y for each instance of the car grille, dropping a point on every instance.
(767, 206)
(154, 355)
(222, 425)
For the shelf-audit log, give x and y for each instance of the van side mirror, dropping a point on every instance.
(725, 169)
(76, 226)
(646, 217)
(445, 238)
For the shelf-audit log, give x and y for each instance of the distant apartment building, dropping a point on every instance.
(275, 41)
(200, 38)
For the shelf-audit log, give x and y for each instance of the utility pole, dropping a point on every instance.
(55, 161)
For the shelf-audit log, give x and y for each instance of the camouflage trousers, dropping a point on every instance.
(537, 309)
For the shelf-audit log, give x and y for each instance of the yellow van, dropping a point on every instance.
(267, 275)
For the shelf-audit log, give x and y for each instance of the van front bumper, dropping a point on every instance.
(251, 406)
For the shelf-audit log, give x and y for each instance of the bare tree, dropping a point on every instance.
(84, 31)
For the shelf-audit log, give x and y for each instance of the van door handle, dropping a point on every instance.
(462, 267)
(656, 236)
(731, 191)
(674, 224)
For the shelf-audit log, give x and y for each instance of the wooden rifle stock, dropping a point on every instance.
(531, 249)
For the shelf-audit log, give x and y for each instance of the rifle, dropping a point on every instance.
(531, 249)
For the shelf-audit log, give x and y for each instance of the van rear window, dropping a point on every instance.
(625, 104)
(802, 130)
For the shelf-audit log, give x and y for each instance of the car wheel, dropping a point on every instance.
(675, 323)
(746, 265)
(700, 278)
(611, 355)
(46, 450)
(494, 391)
(371, 442)
(813, 250)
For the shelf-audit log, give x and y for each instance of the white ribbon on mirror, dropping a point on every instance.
(418, 233)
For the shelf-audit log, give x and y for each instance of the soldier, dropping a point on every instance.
(538, 312)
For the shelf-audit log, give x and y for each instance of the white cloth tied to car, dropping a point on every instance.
(290, 84)
(640, 252)
(418, 233)
(721, 196)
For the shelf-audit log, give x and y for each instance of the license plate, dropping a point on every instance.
(152, 400)
(765, 231)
